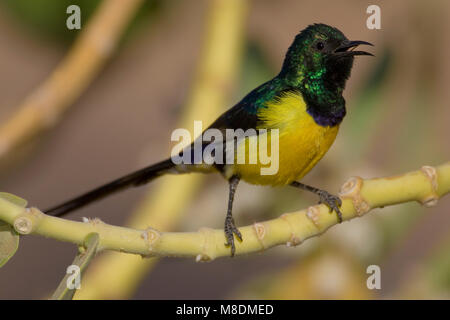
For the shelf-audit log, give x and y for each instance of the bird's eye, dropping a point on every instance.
(320, 45)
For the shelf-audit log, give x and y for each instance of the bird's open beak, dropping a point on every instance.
(346, 49)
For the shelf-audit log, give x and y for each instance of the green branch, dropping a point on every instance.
(87, 252)
(359, 196)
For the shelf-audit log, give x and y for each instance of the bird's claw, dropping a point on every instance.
(333, 202)
(230, 231)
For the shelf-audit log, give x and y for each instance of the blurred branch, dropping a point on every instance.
(217, 69)
(359, 196)
(43, 107)
(329, 273)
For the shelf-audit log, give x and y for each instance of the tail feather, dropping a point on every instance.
(136, 178)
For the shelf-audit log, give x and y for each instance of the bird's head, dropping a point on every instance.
(320, 58)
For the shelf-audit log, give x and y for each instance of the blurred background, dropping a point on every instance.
(398, 120)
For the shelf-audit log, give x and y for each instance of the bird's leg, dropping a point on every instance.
(230, 228)
(333, 202)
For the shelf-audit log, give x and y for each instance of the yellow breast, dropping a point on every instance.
(301, 143)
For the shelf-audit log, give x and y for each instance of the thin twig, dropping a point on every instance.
(87, 252)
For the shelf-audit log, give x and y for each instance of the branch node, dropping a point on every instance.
(23, 225)
(151, 237)
(94, 221)
(208, 251)
(202, 258)
(294, 240)
(312, 213)
(26, 223)
(260, 231)
(431, 175)
(351, 189)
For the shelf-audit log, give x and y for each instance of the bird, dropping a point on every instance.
(303, 104)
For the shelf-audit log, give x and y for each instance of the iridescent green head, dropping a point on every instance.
(320, 58)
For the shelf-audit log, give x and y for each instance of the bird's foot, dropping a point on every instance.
(333, 202)
(231, 230)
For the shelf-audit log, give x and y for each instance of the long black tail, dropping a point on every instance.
(134, 179)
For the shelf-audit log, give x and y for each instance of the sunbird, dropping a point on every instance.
(303, 102)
